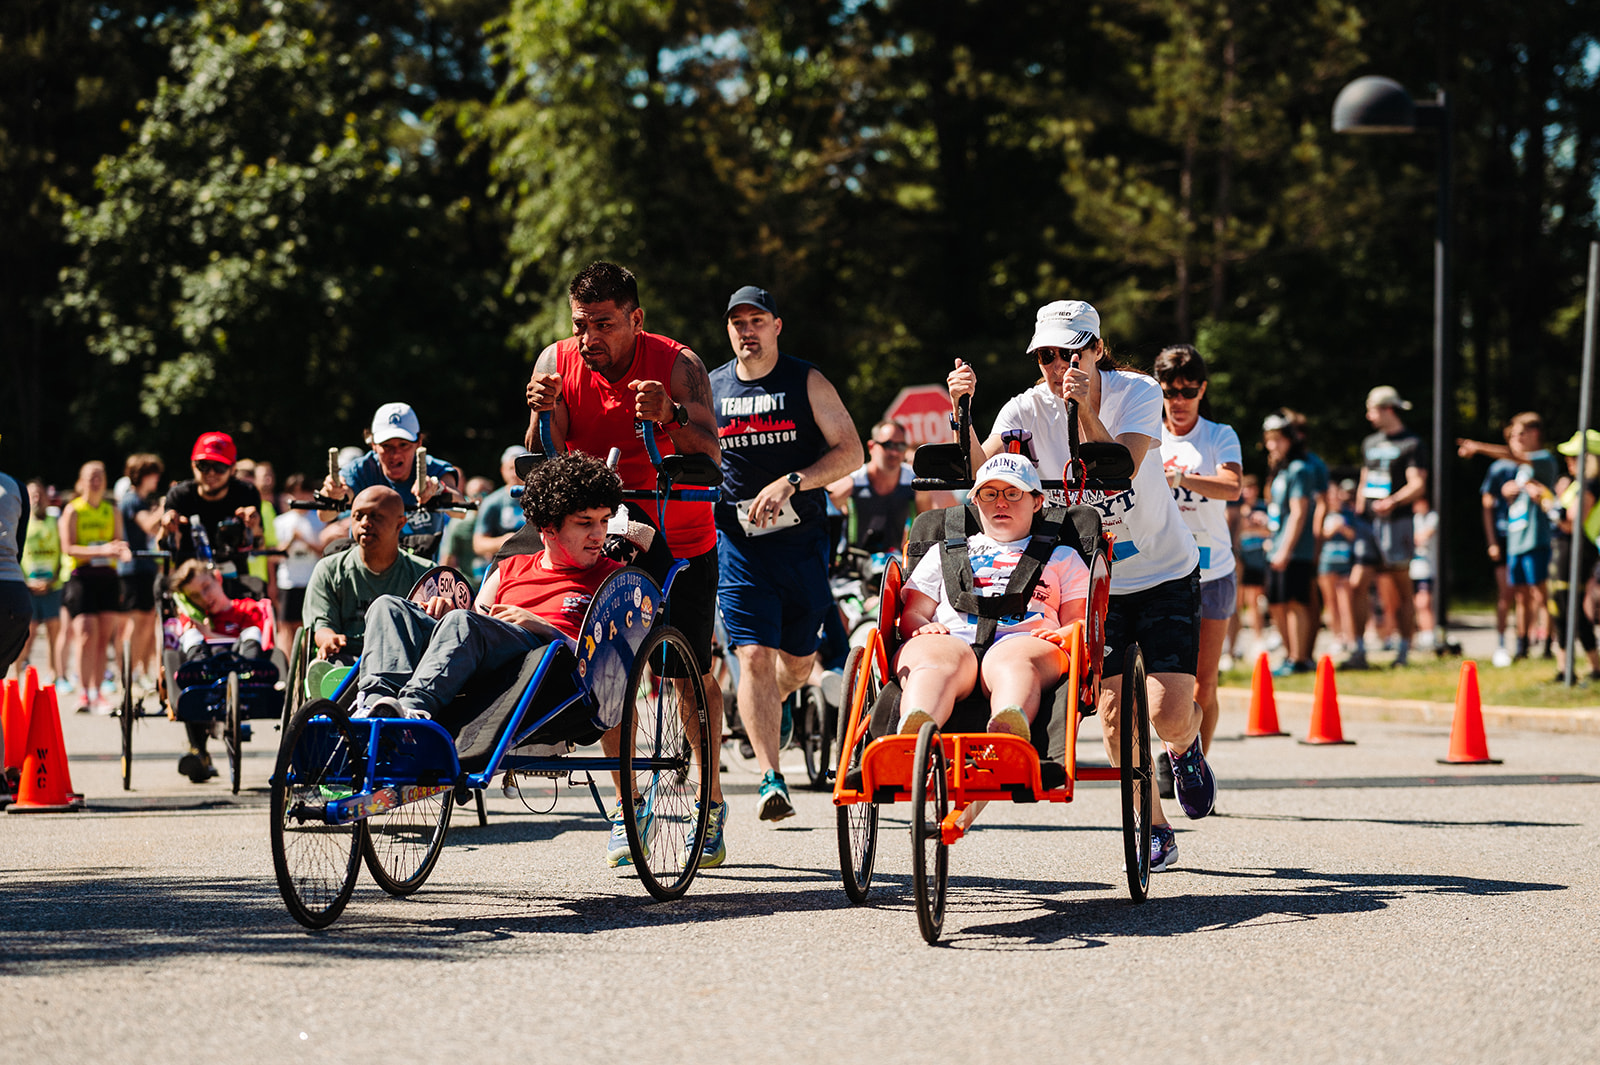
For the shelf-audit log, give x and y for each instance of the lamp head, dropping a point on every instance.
(1374, 105)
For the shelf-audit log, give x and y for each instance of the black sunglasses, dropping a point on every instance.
(209, 466)
(1048, 355)
(1192, 392)
(891, 445)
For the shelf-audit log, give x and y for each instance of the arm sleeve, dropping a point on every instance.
(1072, 576)
(1228, 449)
(318, 608)
(928, 575)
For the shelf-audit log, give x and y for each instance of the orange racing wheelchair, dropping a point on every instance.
(947, 774)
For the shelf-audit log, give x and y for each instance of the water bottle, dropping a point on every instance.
(202, 542)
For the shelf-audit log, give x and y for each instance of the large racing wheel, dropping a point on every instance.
(294, 687)
(401, 846)
(666, 754)
(817, 729)
(233, 732)
(1137, 774)
(857, 822)
(930, 856)
(316, 862)
(126, 713)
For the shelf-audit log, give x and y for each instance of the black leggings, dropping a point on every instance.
(1556, 600)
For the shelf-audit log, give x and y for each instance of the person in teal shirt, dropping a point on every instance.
(344, 584)
(1292, 550)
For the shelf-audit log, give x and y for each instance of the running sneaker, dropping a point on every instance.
(1164, 775)
(1357, 660)
(1011, 720)
(196, 765)
(716, 849)
(786, 726)
(912, 723)
(1163, 848)
(1192, 780)
(1288, 668)
(773, 802)
(617, 850)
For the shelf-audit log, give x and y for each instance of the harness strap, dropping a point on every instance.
(990, 610)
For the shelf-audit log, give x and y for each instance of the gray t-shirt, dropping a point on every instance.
(13, 520)
(342, 588)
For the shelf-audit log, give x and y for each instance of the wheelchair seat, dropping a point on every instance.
(485, 709)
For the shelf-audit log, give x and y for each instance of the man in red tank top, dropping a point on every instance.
(599, 384)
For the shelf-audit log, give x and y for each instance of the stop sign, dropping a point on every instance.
(925, 412)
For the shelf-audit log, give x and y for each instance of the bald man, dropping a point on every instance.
(345, 584)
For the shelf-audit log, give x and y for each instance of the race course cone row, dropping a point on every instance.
(46, 786)
(1263, 703)
(1468, 744)
(1325, 728)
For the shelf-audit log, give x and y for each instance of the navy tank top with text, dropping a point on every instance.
(766, 430)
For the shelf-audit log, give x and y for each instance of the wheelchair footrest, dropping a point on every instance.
(983, 766)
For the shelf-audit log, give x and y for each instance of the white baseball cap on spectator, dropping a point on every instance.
(1068, 324)
(1386, 396)
(513, 453)
(395, 421)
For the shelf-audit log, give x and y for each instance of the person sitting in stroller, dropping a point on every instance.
(418, 658)
(246, 622)
(938, 664)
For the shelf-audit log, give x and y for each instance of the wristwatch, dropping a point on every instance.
(680, 416)
(793, 478)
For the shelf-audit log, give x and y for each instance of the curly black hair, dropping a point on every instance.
(566, 485)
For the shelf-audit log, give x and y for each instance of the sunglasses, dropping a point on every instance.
(891, 445)
(209, 466)
(1048, 355)
(989, 495)
(1192, 392)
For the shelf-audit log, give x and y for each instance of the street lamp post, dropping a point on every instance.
(1382, 105)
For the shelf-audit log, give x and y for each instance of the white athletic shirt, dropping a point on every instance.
(1063, 579)
(1203, 451)
(1152, 544)
(296, 568)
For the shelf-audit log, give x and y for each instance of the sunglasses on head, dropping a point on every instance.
(210, 466)
(1192, 392)
(1048, 355)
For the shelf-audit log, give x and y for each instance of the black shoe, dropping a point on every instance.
(196, 765)
(1164, 776)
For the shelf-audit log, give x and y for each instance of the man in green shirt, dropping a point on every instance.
(344, 584)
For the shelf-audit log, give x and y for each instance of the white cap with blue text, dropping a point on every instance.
(395, 421)
(1014, 470)
(1066, 324)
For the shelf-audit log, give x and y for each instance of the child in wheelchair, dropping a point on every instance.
(418, 658)
(213, 639)
(942, 660)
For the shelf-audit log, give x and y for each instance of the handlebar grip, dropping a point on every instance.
(333, 463)
(547, 438)
(421, 479)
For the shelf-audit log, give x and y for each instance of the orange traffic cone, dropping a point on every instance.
(1263, 704)
(14, 723)
(1325, 708)
(45, 785)
(1468, 745)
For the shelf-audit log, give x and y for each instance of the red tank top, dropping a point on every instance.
(559, 596)
(601, 418)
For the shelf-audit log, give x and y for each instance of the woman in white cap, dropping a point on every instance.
(392, 462)
(1155, 576)
(937, 665)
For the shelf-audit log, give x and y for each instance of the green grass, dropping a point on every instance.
(1434, 680)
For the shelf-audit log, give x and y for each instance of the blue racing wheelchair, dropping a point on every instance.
(382, 789)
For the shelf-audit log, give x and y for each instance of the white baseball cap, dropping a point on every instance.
(1066, 324)
(1386, 396)
(1014, 470)
(395, 421)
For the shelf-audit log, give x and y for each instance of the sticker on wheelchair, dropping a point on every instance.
(620, 616)
(446, 581)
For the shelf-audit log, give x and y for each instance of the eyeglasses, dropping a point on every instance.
(989, 495)
(1048, 355)
(209, 466)
(891, 445)
(1192, 392)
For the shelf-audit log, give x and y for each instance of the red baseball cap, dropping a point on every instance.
(215, 447)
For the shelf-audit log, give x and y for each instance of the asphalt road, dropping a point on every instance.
(1346, 904)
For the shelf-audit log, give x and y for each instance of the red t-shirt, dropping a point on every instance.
(559, 596)
(241, 614)
(601, 418)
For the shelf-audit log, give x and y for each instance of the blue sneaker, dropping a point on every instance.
(773, 803)
(1192, 780)
(786, 726)
(1163, 847)
(617, 852)
(716, 849)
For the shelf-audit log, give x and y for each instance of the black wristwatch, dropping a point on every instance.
(794, 478)
(680, 416)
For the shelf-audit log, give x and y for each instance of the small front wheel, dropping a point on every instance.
(858, 822)
(401, 846)
(233, 734)
(127, 712)
(930, 856)
(1137, 774)
(316, 862)
(816, 737)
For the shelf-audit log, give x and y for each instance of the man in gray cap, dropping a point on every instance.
(785, 435)
(1394, 474)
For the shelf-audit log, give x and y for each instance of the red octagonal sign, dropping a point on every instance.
(925, 412)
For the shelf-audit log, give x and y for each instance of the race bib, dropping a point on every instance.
(1379, 484)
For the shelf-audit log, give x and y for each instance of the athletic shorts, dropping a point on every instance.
(91, 592)
(1164, 621)
(1290, 585)
(1253, 577)
(774, 595)
(1396, 540)
(138, 591)
(1219, 599)
(1528, 569)
(294, 605)
(47, 607)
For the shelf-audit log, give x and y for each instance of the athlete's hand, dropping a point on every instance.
(932, 628)
(1494, 552)
(171, 521)
(333, 487)
(1279, 562)
(430, 488)
(438, 606)
(962, 381)
(251, 518)
(650, 402)
(521, 617)
(329, 643)
(1076, 386)
(765, 506)
(543, 390)
(1058, 637)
